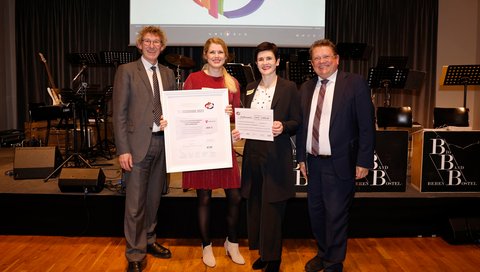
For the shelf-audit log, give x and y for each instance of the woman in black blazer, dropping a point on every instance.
(267, 166)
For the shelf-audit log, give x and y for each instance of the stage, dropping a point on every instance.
(36, 207)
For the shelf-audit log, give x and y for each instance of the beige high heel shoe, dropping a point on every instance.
(208, 258)
(231, 249)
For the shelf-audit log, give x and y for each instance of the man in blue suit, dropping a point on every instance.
(335, 146)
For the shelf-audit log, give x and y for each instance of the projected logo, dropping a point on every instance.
(215, 7)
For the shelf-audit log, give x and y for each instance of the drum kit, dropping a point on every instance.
(180, 62)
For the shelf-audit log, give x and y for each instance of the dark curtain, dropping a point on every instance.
(57, 28)
(392, 28)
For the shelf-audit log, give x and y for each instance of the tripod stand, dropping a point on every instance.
(104, 146)
(76, 156)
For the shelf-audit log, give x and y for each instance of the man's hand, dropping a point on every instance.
(360, 172)
(126, 161)
(303, 170)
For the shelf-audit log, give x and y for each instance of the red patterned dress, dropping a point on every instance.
(225, 178)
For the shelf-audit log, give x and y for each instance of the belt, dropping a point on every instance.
(320, 156)
(157, 133)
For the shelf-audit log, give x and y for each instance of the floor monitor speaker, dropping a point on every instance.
(35, 162)
(463, 230)
(85, 180)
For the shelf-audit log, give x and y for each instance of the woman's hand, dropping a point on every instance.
(229, 110)
(277, 128)
(236, 135)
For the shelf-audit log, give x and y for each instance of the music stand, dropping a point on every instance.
(462, 75)
(398, 62)
(387, 78)
(300, 71)
(354, 51)
(244, 75)
(116, 57)
(84, 58)
(79, 99)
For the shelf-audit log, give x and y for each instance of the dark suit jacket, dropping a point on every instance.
(133, 107)
(352, 127)
(280, 179)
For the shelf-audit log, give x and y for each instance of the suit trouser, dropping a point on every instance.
(329, 200)
(264, 219)
(144, 186)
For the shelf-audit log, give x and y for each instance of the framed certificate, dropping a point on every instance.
(198, 134)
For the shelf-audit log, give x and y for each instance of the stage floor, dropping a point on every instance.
(32, 206)
(113, 174)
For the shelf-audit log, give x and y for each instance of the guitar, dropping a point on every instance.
(52, 89)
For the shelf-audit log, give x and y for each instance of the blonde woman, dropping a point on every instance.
(214, 75)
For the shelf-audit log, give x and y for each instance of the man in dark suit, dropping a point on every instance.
(138, 127)
(335, 146)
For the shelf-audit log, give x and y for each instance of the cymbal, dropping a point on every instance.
(180, 61)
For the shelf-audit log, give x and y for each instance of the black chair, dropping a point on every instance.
(443, 117)
(394, 117)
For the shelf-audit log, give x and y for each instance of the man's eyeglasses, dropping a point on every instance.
(323, 58)
(154, 42)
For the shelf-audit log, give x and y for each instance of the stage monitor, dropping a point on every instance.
(240, 23)
(394, 117)
(457, 117)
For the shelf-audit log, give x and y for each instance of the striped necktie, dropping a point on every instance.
(316, 120)
(157, 106)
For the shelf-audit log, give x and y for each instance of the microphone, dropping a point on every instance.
(84, 66)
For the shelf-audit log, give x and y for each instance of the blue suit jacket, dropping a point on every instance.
(352, 126)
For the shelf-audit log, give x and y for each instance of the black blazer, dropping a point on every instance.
(352, 127)
(279, 181)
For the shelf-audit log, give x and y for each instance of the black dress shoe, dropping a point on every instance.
(315, 264)
(259, 264)
(337, 267)
(136, 266)
(273, 266)
(159, 251)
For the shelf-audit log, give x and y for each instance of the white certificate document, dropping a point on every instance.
(254, 124)
(198, 135)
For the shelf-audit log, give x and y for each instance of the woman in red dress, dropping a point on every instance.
(214, 75)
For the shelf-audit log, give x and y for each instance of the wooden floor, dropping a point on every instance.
(106, 254)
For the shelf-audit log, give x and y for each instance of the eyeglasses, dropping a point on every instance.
(149, 42)
(325, 58)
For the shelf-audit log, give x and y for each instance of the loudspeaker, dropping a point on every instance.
(463, 230)
(35, 162)
(85, 180)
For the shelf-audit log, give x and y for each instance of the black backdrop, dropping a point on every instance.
(59, 27)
